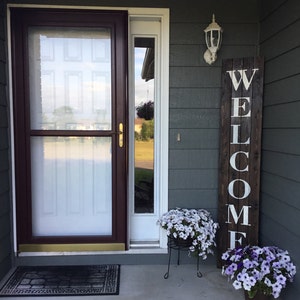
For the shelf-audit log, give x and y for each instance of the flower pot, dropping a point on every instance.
(258, 296)
(180, 243)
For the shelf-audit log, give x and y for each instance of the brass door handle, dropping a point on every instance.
(121, 133)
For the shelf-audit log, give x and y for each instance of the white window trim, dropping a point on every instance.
(163, 149)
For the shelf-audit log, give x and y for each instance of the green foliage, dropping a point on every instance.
(143, 175)
(146, 110)
(147, 131)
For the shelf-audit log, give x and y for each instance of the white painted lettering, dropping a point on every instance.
(233, 161)
(238, 104)
(233, 238)
(243, 77)
(235, 136)
(247, 189)
(244, 211)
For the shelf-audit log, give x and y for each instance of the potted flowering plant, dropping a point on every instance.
(193, 225)
(259, 270)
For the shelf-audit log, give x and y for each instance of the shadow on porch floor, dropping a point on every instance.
(147, 282)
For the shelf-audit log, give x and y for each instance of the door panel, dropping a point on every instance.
(72, 185)
(70, 89)
(70, 76)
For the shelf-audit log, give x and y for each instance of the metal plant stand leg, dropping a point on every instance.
(173, 245)
(199, 274)
(166, 276)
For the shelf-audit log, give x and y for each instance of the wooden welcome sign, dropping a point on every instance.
(240, 152)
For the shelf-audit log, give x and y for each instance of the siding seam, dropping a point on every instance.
(279, 224)
(278, 104)
(273, 11)
(282, 78)
(282, 54)
(278, 175)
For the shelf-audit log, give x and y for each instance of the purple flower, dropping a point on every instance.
(251, 281)
(267, 269)
(281, 279)
(225, 256)
(256, 274)
(276, 287)
(247, 263)
(229, 270)
(275, 294)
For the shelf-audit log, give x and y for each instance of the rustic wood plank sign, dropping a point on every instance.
(240, 152)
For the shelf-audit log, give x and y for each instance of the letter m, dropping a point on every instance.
(244, 211)
(243, 77)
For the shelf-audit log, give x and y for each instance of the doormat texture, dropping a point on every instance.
(63, 281)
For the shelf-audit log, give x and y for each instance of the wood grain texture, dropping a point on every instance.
(240, 157)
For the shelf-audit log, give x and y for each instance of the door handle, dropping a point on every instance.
(121, 135)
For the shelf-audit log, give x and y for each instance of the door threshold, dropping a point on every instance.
(144, 244)
(148, 249)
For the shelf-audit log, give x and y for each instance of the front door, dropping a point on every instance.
(70, 103)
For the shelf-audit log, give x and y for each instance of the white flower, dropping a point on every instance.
(191, 223)
(268, 282)
(246, 286)
(251, 280)
(237, 284)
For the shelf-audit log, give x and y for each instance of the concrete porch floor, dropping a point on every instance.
(147, 282)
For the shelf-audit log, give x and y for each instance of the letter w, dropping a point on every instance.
(243, 77)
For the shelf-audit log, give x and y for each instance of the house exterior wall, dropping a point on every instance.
(5, 212)
(280, 180)
(195, 92)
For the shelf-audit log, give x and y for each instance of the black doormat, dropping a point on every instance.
(63, 281)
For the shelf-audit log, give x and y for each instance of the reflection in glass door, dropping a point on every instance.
(144, 126)
(70, 92)
(145, 105)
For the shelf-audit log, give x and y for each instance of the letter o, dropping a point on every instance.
(247, 189)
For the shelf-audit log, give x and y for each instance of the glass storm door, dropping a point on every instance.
(74, 107)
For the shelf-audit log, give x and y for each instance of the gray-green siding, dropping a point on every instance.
(195, 92)
(280, 186)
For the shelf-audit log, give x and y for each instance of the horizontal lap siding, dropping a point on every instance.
(281, 140)
(280, 195)
(5, 213)
(195, 92)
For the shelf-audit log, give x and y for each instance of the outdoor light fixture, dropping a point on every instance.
(213, 39)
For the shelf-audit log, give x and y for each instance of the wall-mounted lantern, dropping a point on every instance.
(213, 39)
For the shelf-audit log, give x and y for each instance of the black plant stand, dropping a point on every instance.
(179, 245)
